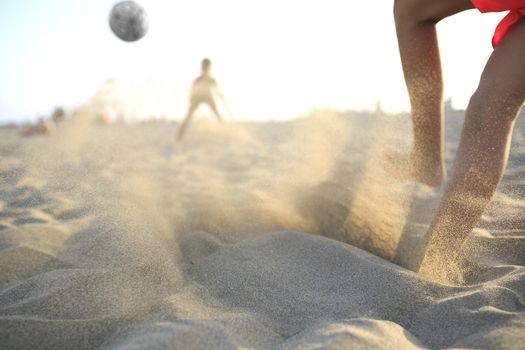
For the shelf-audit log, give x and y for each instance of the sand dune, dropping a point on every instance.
(275, 235)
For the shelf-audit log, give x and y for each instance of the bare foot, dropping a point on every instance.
(426, 171)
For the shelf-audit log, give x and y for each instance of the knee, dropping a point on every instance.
(407, 12)
(495, 104)
(403, 11)
(410, 12)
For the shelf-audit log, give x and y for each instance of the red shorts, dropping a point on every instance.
(517, 12)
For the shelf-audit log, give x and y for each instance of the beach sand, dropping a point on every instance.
(276, 235)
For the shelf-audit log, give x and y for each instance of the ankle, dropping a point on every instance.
(428, 167)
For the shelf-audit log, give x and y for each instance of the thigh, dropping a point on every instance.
(504, 72)
(194, 104)
(211, 103)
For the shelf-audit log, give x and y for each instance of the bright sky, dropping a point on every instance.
(274, 59)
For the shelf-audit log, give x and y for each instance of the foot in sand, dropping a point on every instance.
(425, 170)
(441, 270)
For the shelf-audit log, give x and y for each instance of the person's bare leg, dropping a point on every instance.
(214, 109)
(418, 46)
(482, 153)
(185, 123)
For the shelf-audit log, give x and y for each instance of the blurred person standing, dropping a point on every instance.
(204, 90)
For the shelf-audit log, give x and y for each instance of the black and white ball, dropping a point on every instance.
(128, 21)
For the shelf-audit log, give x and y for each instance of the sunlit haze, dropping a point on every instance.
(273, 59)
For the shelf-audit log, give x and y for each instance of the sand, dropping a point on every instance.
(284, 235)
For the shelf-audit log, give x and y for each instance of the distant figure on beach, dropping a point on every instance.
(44, 125)
(489, 120)
(204, 90)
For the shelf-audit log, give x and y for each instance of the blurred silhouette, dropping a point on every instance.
(44, 125)
(204, 90)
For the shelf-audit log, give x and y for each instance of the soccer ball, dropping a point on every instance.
(128, 21)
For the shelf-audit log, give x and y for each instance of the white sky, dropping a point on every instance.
(274, 59)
